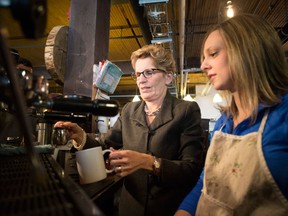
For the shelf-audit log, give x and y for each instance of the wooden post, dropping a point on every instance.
(88, 43)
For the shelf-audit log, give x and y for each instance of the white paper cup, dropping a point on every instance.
(91, 165)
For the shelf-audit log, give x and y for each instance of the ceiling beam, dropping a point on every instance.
(143, 23)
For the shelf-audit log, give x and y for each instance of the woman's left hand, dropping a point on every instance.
(127, 161)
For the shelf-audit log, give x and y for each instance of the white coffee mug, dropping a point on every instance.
(91, 165)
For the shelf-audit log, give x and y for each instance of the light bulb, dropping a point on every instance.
(230, 11)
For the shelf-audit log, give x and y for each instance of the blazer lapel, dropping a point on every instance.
(139, 116)
(166, 113)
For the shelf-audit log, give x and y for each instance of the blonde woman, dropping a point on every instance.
(246, 168)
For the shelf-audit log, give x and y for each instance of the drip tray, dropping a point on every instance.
(53, 195)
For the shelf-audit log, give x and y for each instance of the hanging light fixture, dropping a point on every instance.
(217, 98)
(227, 9)
(230, 10)
(136, 98)
(188, 98)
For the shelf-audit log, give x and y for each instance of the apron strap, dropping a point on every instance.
(263, 122)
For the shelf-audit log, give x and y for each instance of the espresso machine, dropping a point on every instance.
(32, 182)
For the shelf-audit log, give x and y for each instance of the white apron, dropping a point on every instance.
(237, 180)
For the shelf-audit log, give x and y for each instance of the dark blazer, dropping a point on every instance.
(175, 136)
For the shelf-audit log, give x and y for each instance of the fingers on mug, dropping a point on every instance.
(108, 167)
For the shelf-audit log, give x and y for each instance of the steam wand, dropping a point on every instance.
(21, 107)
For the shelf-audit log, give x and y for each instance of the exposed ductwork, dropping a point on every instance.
(160, 27)
(157, 15)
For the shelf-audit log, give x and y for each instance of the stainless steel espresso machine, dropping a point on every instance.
(32, 183)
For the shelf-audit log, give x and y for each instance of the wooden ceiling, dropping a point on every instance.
(127, 33)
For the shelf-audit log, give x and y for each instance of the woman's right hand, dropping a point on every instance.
(74, 130)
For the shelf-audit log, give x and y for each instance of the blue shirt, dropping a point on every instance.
(274, 147)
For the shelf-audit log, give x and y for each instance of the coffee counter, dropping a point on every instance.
(104, 193)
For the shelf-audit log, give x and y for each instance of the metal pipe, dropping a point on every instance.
(181, 44)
